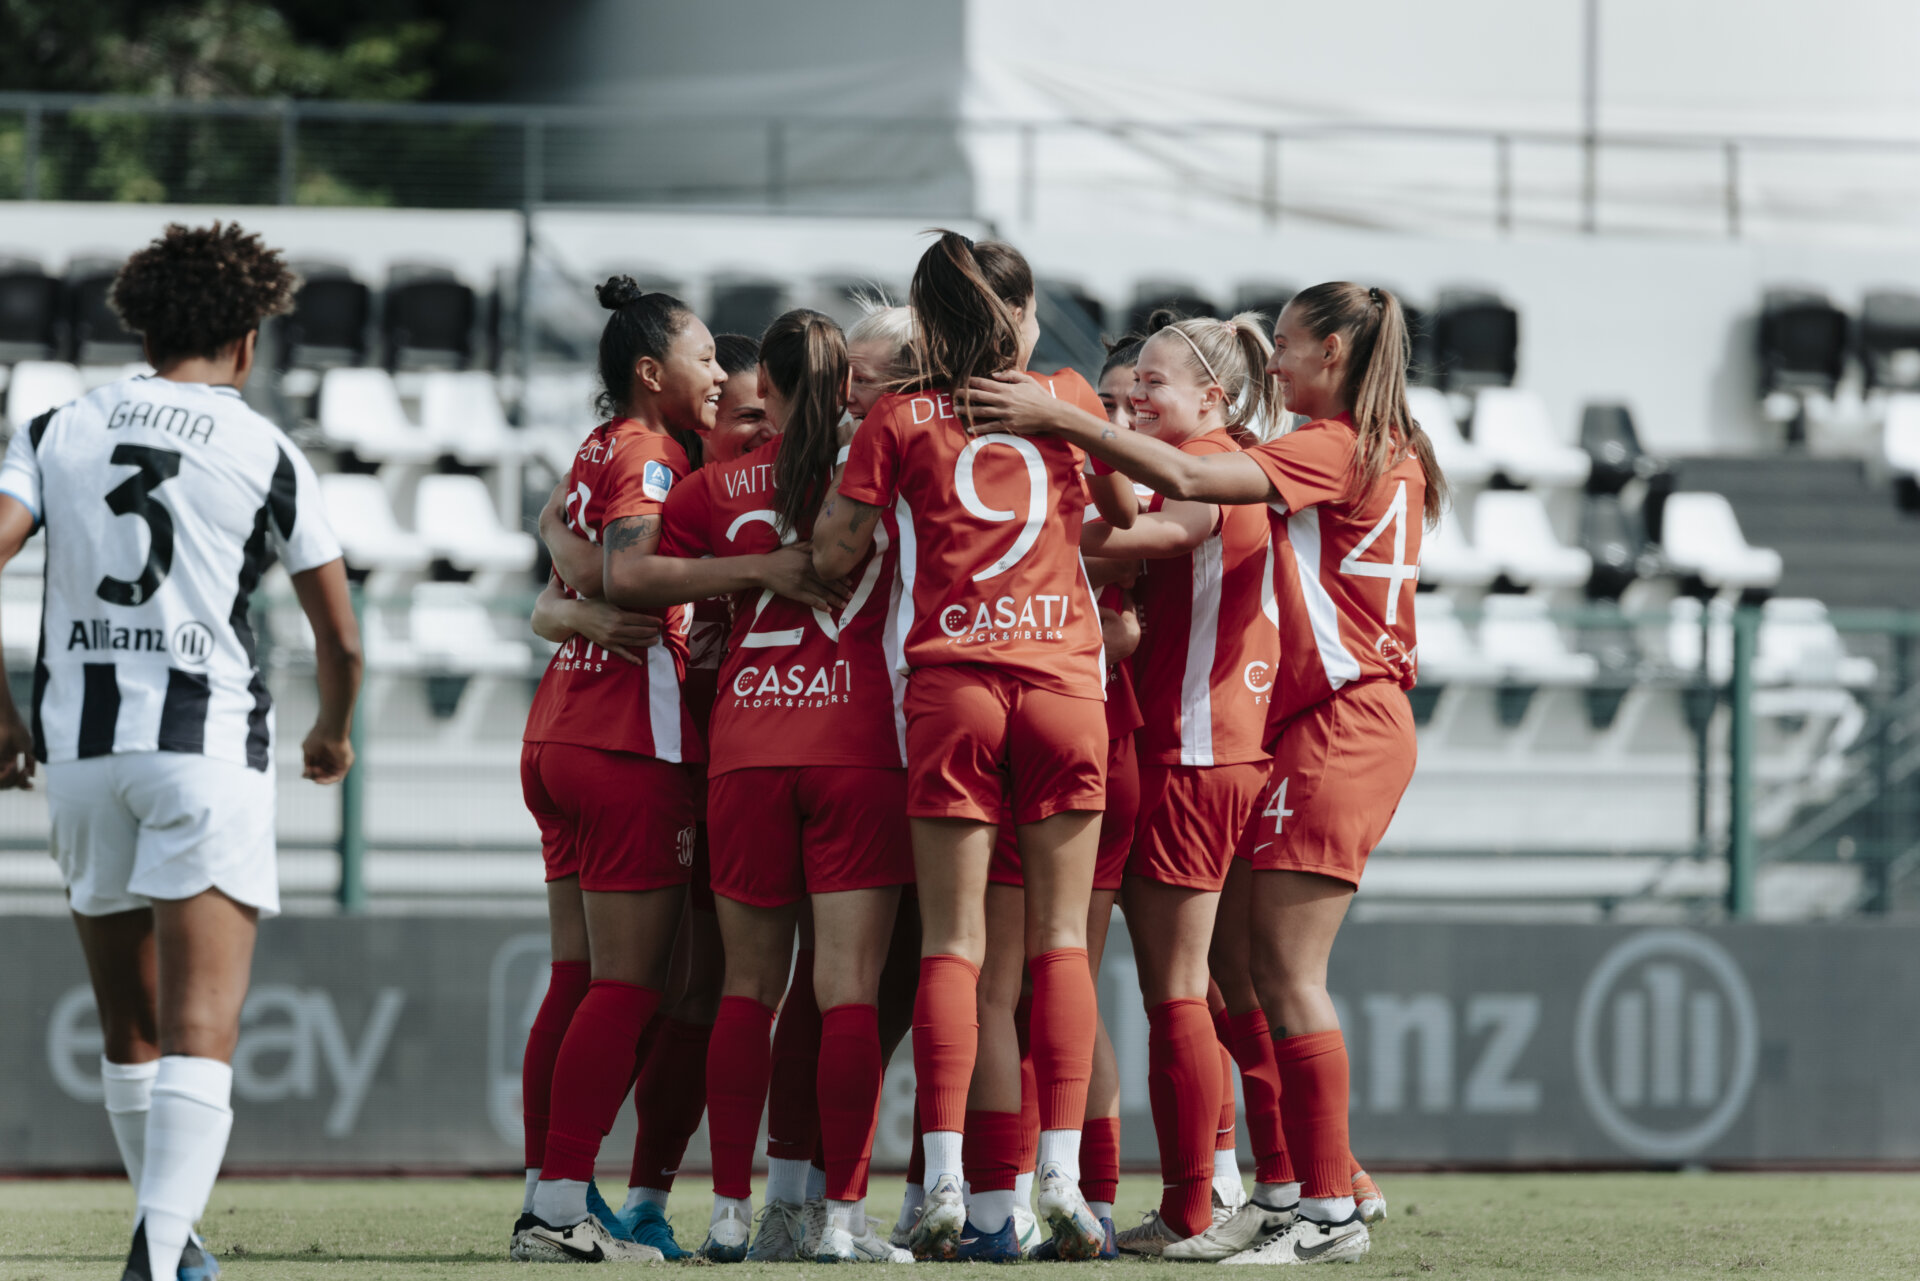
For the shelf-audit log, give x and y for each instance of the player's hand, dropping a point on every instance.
(618, 631)
(1010, 402)
(790, 574)
(16, 753)
(327, 757)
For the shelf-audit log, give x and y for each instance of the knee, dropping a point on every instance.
(200, 1038)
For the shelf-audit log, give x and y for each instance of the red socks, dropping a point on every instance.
(1029, 1115)
(1252, 1046)
(991, 1152)
(592, 1072)
(793, 1117)
(1313, 1079)
(1183, 1084)
(1066, 1011)
(946, 1038)
(668, 1100)
(565, 989)
(739, 1061)
(1223, 1137)
(917, 1162)
(1100, 1158)
(849, 1079)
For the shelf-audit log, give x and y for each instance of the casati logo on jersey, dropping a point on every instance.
(1008, 619)
(794, 686)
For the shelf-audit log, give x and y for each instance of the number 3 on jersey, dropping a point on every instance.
(1036, 498)
(134, 496)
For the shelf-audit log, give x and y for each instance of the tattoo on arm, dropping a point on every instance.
(1107, 434)
(861, 513)
(631, 530)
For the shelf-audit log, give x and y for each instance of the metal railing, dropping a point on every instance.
(285, 151)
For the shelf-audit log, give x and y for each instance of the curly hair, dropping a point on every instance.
(195, 290)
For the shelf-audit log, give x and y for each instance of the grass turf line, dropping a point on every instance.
(1531, 1225)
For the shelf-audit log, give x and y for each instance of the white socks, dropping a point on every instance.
(1062, 1147)
(943, 1155)
(816, 1182)
(637, 1197)
(916, 1196)
(1101, 1209)
(1277, 1196)
(989, 1211)
(1226, 1176)
(1023, 1187)
(560, 1203)
(533, 1181)
(1326, 1209)
(787, 1180)
(129, 1092)
(721, 1204)
(851, 1215)
(188, 1121)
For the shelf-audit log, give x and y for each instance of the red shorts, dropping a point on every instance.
(1191, 818)
(617, 820)
(700, 881)
(1116, 824)
(978, 737)
(782, 832)
(1339, 771)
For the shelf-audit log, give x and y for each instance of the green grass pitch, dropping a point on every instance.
(1460, 1225)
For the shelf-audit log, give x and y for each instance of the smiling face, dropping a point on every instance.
(741, 423)
(1116, 393)
(871, 363)
(1171, 400)
(685, 386)
(1312, 371)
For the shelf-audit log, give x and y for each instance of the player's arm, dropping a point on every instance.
(1120, 631)
(322, 592)
(637, 578)
(558, 617)
(1174, 530)
(577, 561)
(16, 741)
(1113, 496)
(1013, 403)
(843, 533)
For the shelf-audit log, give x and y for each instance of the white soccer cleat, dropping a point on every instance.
(903, 1232)
(1248, 1228)
(837, 1242)
(727, 1234)
(1367, 1196)
(813, 1226)
(1225, 1208)
(1026, 1228)
(1305, 1241)
(517, 1243)
(936, 1234)
(1149, 1237)
(1077, 1233)
(783, 1229)
(587, 1241)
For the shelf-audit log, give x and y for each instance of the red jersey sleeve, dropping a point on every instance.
(686, 522)
(640, 474)
(1309, 465)
(872, 474)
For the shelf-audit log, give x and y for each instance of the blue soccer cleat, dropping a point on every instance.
(647, 1224)
(197, 1262)
(609, 1218)
(975, 1246)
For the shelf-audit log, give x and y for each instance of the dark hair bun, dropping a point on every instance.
(618, 291)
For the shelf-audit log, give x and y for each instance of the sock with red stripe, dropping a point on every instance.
(668, 1099)
(590, 1078)
(1183, 1085)
(739, 1063)
(1313, 1080)
(566, 987)
(946, 1039)
(849, 1096)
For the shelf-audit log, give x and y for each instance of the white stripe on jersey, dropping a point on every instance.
(890, 646)
(909, 570)
(1303, 535)
(1093, 612)
(1203, 640)
(663, 704)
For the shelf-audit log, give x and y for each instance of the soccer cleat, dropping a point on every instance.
(1076, 1232)
(903, 1232)
(1026, 1229)
(834, 1241)
(936, 1233)
(1306, 1241)
(609, 1219)
(517, 1243)
(1368, 1197)
(813, 1227)
(1248, 1228)
(783, 1226)
(1150, 1237)
(727, 1235)
(139, 1266)
(975, 1246)
(587, 1241)
(1048, 1252)
(196, 1261)
(647, 1224)
(1223, 1208)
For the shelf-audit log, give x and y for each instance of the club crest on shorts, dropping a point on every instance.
(684, 841)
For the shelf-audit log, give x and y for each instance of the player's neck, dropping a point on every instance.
(212, 372)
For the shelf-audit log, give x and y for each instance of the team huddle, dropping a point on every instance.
(876, 643)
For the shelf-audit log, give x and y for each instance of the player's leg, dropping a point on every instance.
(1248, 1038)
(121, 966)
(898, 978)
(1229, 1187)
(993, 1137)
(793, 1114)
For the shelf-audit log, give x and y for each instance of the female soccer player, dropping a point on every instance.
(1002, 640)
(1347, 494)
(165, 498)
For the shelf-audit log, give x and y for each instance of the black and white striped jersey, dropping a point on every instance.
(163, 503)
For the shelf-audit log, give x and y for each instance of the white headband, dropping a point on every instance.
(1204, 362)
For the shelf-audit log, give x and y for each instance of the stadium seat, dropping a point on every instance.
(1513, 429)
(29, 311)
(1685, 638)
(1900, 439)
(1420, 366)
(1803, 342)
(1511, 529)
(361, 516)
(1614, 540)
(427, 319)
(1799, 645)
(1890, 340)
(328, 324)
(745, 304)
(1449, 559)
(95, 335)
(1459, 459)
(461, 414)
(452, 631)
(1527, 646)
(1072, 294)
(1476, 341)
(1701, 538)
(1263, 296)
(1607, 435)
(1449, 654)
(1177, 296)
(455, 517)
(39, 385)
(360, 410)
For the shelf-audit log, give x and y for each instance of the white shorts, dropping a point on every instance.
(138, 826)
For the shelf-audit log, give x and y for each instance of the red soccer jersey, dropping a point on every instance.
(706, 646)
(1344, 574)
(1209, 646)
(989, 531)
(1123, 708)
(591, 698)
(798, 686)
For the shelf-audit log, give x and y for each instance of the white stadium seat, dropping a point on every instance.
(360, 410)
(461, 414)
(1799, 645)
(452, 631)
(1459, 459)
(1684, 637)
(455, 516)
(1900, 441)
(1511, 529)
(1448, 559)
(1448, 652)
(361, 517)
(36, 386)
(1527, 646)
(1513, 429)
(1701, 536)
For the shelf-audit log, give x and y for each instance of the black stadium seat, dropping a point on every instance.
(1803, 342)
(29, 311)
(1890, 340)
(1607, 434)
(1613, 536)
(1421, 370)
(1076, 296)
(1476, 341)
(745, 305)
(1178, 297)
(328, 324)
(95, 335)
(427, 319)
